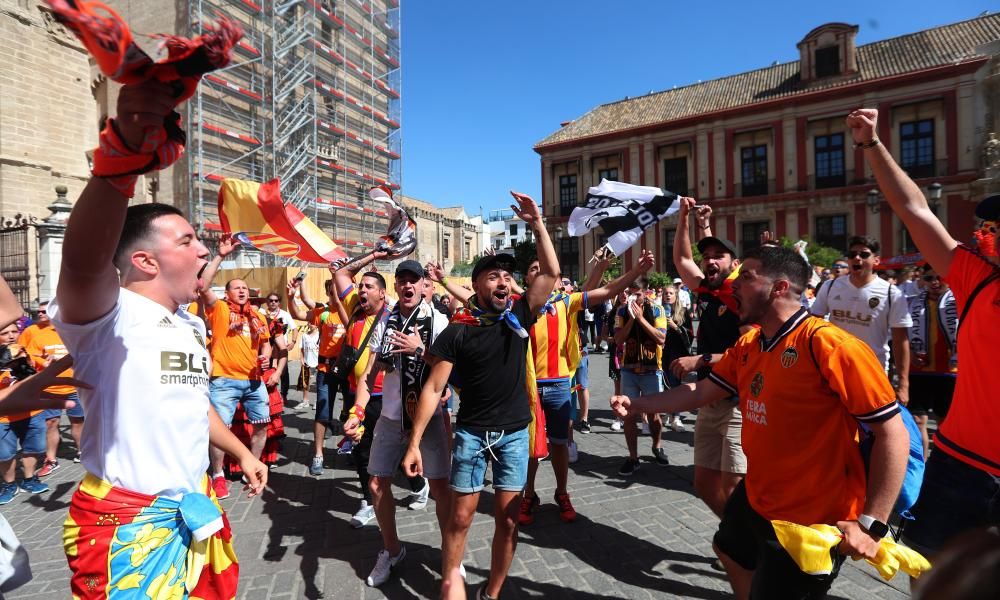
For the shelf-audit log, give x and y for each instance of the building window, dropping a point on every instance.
(468, 250)
(497, 244)
(569, 250)
(916, 142)
(567, 194)
(831, 230)
(675, 175)
(828, 61)
(609, 174)
(753, 162)
(445, 247)
(751, 234)
(668, 251)
(513, 230)
(829, 151)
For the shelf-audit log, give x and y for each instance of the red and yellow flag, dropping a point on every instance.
(257, 207)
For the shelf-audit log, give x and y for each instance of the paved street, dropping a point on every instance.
(642, 537)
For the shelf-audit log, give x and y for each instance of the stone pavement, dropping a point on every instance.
(646, 536)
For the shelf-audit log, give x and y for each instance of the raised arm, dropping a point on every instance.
(344, 278)
(227, 245)
(88, 282)
(293, 306)
(904, 196)
(10, 308)
(548, 264)
(436, 273)
(613, 288)
(687, 269)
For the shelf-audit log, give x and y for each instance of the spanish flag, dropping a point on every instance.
(257, 207)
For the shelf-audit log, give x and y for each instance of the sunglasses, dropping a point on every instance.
(929, 278)
(856, 254)
(272, 299)
(839, 266)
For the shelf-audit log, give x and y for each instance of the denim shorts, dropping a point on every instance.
(227, 393)
(558, 407)
(29, 432)
(641, 384)
(954, 497)
(583, 372)
(76, 412)
(472, 450)
(324, 402)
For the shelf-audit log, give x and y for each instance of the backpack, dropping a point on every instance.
(915, 462)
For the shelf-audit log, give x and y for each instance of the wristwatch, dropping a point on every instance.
(873, 526)
(706, 358)
(419, 351)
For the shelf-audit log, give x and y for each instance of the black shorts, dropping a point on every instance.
(748, 538)
(929, 392)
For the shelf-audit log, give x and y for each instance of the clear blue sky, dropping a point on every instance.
(484, 81)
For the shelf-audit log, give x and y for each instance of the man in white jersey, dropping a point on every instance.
(870, 308)
(150, 421)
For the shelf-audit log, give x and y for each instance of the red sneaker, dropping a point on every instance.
(527, 507)
(566, 511)
(220, 486)
(48, 467)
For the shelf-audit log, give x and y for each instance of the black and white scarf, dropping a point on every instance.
(947, 315)
(412, 371)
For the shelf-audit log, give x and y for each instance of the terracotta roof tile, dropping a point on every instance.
(940, 46)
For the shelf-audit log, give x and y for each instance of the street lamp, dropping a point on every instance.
(559, 232)
(934, 195)
(873, 202)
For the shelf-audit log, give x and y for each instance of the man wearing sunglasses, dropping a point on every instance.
(870, 308)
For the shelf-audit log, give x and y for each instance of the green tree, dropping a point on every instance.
(817, 254)
(658, 279)
(524, 253)
(464, 268)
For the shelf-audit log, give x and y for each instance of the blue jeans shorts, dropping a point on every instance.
(76, 412)
(29, 432)
(471, 450)
(641, 384)
(583, 372)
(227, 393)
(955, 497)
(324, 402)
(558, 407)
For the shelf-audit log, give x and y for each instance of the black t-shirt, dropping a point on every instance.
(718, 330)
(490, 362)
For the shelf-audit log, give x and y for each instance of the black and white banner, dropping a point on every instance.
(623, 211)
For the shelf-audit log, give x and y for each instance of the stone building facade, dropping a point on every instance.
(444, 235)
(769, 150)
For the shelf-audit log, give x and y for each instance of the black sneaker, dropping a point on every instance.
(584, 427)
(629, 466)
(661, 457)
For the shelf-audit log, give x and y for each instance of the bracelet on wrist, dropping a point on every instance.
(866, 145)
(357, 411)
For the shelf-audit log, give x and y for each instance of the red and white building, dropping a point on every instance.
(769, 150)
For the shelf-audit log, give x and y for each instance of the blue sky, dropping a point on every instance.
(484, 81)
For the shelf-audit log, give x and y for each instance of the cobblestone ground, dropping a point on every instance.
(646, 536)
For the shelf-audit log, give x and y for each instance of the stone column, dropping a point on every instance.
(51, 232)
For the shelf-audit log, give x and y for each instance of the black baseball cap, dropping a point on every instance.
(496, 261)
(409, 266)
(705, 242)
(988, 208)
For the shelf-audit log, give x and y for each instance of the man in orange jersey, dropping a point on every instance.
(331, 337)
(26, 429)
(43, 345)
(962, 480)
(240, 345)
(803, 386)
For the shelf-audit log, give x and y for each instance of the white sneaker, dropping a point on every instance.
(645, 428)
(617, 425)
(384, 565)
(676, 424)
(574, 454)
(418, 500)
(364, 515)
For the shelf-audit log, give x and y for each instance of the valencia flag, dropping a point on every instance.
(257, 207)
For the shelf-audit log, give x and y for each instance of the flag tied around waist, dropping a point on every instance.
(623, 211)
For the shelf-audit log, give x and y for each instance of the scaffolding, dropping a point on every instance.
(313, 98)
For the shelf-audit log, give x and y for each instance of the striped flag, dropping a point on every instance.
(623, 211)
(248, 206)
(268, 242)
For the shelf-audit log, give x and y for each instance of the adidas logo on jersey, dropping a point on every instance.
(165, 322)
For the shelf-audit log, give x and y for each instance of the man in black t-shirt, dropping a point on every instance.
(719, 462)
(486, 346)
